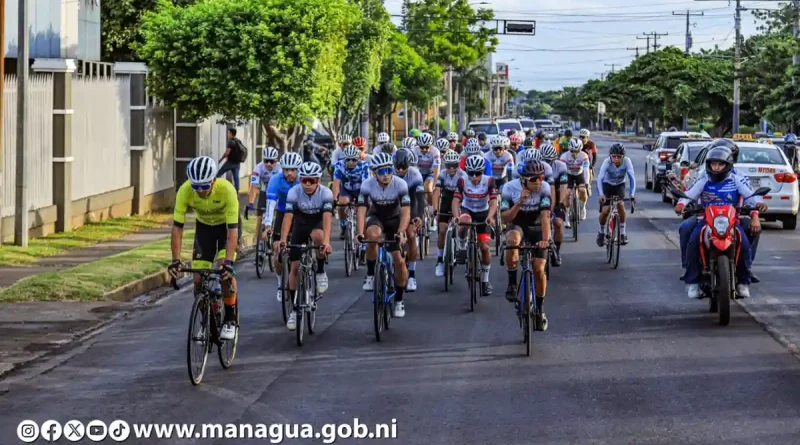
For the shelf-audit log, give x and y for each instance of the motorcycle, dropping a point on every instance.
(719, 251)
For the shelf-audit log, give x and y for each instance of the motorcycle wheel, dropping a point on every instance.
(724, 289)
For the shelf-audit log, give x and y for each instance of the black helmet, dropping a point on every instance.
(402, 159)
(568, 133)
(482, 136)
(531, 168)
(529, 142)
(719, 154)
(729, 144)
(540, 134)
(617, 149)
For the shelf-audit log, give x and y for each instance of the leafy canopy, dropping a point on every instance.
(406, 76)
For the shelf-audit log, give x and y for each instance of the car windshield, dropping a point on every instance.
(484, 128)
(544, 123)
(509, 126)
(672, 143)
(760, 156)
(527, 124)
(694, 150)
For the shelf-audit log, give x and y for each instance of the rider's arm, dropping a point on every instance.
(231, 199)
(327, 215)
(631, 176)
(255, 182)
(456, 204)
(437, 164)
(363, 205)
(272, 198)
(586, 170)
(746, 191)
(405, 207)
(337, 180)
(492, 199)
(179, 218)
(602, 175)
(419, 200)
(288, 215)
(695, 192)
(545, 205)
(509, 207)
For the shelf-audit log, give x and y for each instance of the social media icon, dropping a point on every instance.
(74, 430)
(96, 430)
(28, 431)
(119, 430)
(51, 431)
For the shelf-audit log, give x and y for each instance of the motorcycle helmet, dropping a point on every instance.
(719, 154)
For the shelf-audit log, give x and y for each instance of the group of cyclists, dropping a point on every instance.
(524, 182)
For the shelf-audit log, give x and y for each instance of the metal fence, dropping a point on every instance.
(39, 148)
(100, 135)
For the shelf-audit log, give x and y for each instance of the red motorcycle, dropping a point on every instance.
(720, 247)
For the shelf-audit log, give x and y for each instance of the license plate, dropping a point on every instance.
(755, 182)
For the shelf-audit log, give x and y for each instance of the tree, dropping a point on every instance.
(120, 27)
(277, 60)
(366, 47)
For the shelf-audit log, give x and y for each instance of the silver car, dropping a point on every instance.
(658, 162)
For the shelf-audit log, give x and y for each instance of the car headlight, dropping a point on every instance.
(721, 225)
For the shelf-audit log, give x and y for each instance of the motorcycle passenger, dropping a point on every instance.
(720, 186)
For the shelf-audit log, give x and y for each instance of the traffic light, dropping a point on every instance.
(520, 27)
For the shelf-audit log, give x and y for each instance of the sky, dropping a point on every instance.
(577, 40)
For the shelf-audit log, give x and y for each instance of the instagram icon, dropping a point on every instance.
(28, 431)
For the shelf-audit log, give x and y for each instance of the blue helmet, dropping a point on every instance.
(790, 138)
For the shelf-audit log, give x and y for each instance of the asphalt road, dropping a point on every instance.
(627, 359)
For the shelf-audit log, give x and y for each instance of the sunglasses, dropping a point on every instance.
(384, 171)
(351, 160)
(201, 187)
(499, 148)
(451, 166)
(269, 161)
(309, 181)
(533, 179)
(475, 174)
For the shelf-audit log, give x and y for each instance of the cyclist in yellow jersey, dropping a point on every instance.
(216, 205)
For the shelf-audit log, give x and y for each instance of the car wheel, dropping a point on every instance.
(789, 222)
(647, 184)
(656, 184)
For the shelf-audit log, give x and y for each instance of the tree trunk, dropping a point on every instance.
(285, 139)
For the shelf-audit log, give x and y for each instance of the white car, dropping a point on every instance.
(657, 162)
(484, 126)
(509, 124)
(682, 161)
(767, 166)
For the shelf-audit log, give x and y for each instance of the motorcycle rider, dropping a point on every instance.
(720, 186)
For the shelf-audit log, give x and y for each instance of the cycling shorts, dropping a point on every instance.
(574, 181)
(610, 190)
(261, 206)
(301, 233)
(478, 217)
(209, 244)
(389, 228)
(352, 195)
(530, 235)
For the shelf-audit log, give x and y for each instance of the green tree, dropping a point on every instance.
(277, 60)
(120, 27)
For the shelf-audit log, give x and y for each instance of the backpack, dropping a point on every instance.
(242, 150)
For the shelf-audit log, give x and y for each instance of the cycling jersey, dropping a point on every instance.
(448, 183)
(589, 147)
(416, 189)
(728, 191)
(500, 165)
(530, 211)
(220, 207)
(476, 197)
(426, 162)
(612, 175)
(277, 190)
(337, 155)
(308, 209)
(351, 178)
(262, 174)
(577, 165)
(379, 149)
(384, 202)
(462, 165)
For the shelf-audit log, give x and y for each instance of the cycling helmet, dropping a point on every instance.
(291, 160)
(351, 152)
(548, 151)
(451, 157)
(530, 142)
(410, 142)
(403, 158)
(540, 134)
(790, 139)
(568, 133)
(515, 139)
(617, 149)
(452, 136)
(470, 133)
(473, 147)
(442, 144)
(414, 132)
(269, 154)
(201, 170)
(531, 154)
(383, 138)
(719, 154)
(310, 170)
(575, 144)
(425, 140)
(476, 163)
(345, 139)
(531, 169)
(380, 160)
(388, 148)
(504, 141)
(481, 136)
(584, 133)
(359, 141)
(496, 141)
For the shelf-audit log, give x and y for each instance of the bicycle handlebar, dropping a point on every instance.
(614, 200)
(208, 272)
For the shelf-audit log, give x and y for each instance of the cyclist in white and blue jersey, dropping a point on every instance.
(611, 182)
(278, 188)
(348, 175)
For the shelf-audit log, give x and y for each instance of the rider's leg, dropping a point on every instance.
(693, 263)
(622, 216)
(341, 210)
(486, 255)
(752, 237)
(684, 232)
(374, 233)
(745, 260)
(462, 231)
(513, 238)
(583, 196)
(411, 259)
(441, 239)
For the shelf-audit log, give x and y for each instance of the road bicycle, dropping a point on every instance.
(352, 248)
(612, 231)
(205, 325)
(384, 290)
(264, 254)
(472, 271)
(449, 255)
(574, 212)
(424, 235)
(286, 301)
(527, 314)
(305, 302)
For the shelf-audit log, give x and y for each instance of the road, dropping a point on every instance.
(628, 359)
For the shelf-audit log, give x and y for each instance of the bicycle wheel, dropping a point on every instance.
(497, 235)
(227, 350)
(349, 257)
(388, 299)
(574, 216)
(527, 314)
(287, 305)
(615, 246)
(607, 235)
(447, 259)
(378, 302)
(198, 340)
(356, 247)
(269, 258)
(302, 299)
(311, 311)
(259, 258)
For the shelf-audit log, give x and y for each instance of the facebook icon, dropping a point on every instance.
(51, 431)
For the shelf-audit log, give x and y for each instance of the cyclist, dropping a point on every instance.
(360, 142)
(515, 145)
(452, 137)
(485, 146)
(589, 147)
(476, 200)
(578, 173)
(558, 188)
(530, 142)
(526, 210)
(539, 139)
(259, 181)
(309, 210)
(409, 143)
(385, 212)
(384, 144)
(446, 186)
(611, 182)
(277, 190)
(216, 205)
(473, 148)
(348, 175)
(428, 162)
(344, 141)
(500, 160)
(403, 169)
(470, 133)
(443, 145)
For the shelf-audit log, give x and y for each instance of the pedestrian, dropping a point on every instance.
(235, 154)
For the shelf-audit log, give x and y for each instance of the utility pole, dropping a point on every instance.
(636, 49)
(21, 205)
(612, 65)
(2, 93)
(648, 43)
(449, 99)
(795, 58)
(688, 26)
(737, 66)
(602, 76)
(656, 36)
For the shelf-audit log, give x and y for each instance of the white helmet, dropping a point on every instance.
(584, 133)
(531, 154)
(575, 144)
(452, 136)
(548, 151)
(345, 139)
(310, 170)
(269, 154)
(451, 157)
(506, 142)
(383, 138)
(473, 147)
(425, 139)
(380, 160)
(351, 152)
(291, 160)
(496, 141)
(410, 142)
(476, 163)
(201, 170)
(442, 144)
